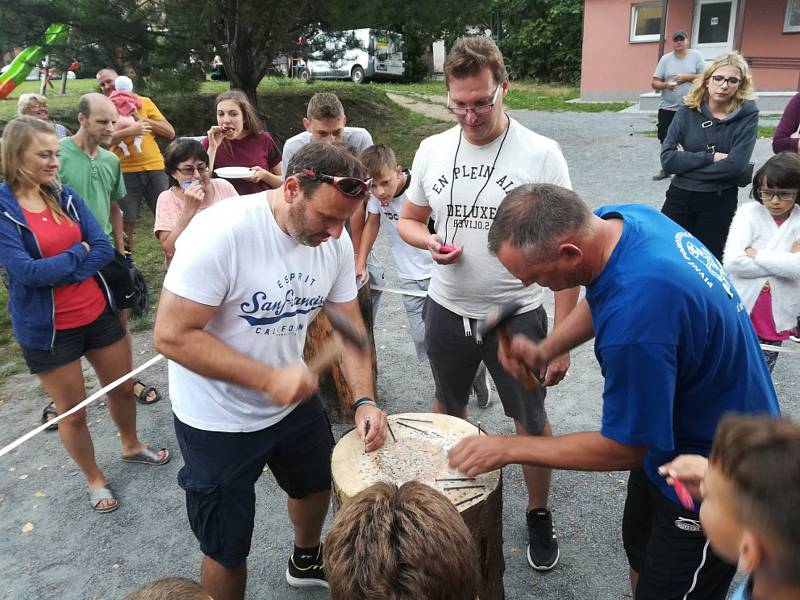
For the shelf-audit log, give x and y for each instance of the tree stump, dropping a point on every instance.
(420, 453)
(334, 390)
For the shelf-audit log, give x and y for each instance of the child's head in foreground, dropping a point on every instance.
(382, 168)
(751, 497)
(170, 588)
(405, 543)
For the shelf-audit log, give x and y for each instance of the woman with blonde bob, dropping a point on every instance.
(35, 105)
(707, 148)
(52, 249)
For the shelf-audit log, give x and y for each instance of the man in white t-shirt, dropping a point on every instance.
(325, 121)
(460, 178)
(246, 281)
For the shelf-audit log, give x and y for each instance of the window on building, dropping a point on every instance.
(792, 22)
(646, 22)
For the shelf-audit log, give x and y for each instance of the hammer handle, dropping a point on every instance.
(327, 356)
(528, 380)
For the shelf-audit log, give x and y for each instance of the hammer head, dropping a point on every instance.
(345, 328)
(498, 316)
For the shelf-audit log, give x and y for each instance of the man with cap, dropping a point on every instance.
(673, 76)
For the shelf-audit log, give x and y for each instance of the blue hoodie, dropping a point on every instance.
(31, 278)
(694, 167)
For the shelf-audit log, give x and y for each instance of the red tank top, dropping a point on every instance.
(77, 304)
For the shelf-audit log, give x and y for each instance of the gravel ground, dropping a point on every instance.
(70, 552)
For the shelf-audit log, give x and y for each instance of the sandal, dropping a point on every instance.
(145, 393)
(100, 494)
(48, 414)
(149, 456)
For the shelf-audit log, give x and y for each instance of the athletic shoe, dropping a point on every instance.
(795, 338)
(543, 553)
(662, 174)
(306, 571)
(482, 386)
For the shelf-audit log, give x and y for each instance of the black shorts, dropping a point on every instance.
(220, 471)
(70, 344)
(666, 546)
(454, 358)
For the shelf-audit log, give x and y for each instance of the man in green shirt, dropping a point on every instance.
(93, 171)
(95, 174)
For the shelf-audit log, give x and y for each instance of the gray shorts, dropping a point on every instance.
(144, 184)
(414, 306)
(454, 357)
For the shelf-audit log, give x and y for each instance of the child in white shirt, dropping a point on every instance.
(762, 253)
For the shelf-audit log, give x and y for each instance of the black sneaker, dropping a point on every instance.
(662, 174)
(543, 551)
(306, 571)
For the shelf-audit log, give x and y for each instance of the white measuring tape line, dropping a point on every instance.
(421, 294)
(417, 293)
(74, 409)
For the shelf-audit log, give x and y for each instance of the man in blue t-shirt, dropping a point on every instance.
(676, 349)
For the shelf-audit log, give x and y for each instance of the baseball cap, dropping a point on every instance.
(680, 33)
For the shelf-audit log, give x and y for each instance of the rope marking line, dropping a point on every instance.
(101, 392)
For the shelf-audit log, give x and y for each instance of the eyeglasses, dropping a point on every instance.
(349, 186)
(481, 109)
(782, 195)
(731, 81)
(190, 170)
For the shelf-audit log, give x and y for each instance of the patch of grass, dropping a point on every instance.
(522, 95)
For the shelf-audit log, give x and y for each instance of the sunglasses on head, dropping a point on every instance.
(349, 186)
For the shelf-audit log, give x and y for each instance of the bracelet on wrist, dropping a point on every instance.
(361, 402)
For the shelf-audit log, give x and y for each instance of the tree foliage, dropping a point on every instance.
(542, 39)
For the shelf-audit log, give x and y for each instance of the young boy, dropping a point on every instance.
(750, 486)
(414, 265)
(399, 543)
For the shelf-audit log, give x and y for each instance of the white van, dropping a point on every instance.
(358, 55)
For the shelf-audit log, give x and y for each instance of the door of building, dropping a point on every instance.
(713, 26)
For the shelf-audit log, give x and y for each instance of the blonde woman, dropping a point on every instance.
(52, 248)
(35, 105)
(707, 147)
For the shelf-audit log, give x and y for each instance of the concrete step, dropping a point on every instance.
(766, 101)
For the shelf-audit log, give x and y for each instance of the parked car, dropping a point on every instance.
(357, 54)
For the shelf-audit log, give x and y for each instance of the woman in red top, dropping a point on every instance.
(52, 248)
(239, 140)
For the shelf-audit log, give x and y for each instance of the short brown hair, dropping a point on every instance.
(330, 158)
(250, 121)
(760, 457)
(170, 588)
(470, 55)
(536, 217)
(400, 544)
(377, 158)
(324, 105)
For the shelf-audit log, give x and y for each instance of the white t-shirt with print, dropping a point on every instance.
(477, 281)
(409, 261)
(267, 287)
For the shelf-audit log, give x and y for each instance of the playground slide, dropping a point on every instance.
(29, 58)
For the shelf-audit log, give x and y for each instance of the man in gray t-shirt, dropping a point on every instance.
(673, 76)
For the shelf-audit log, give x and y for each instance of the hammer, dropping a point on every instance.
(497, 320)
(342, 328)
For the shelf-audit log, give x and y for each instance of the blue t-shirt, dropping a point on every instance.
(675, 344)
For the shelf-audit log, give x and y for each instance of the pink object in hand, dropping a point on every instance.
(447, 249)
(684, 497)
